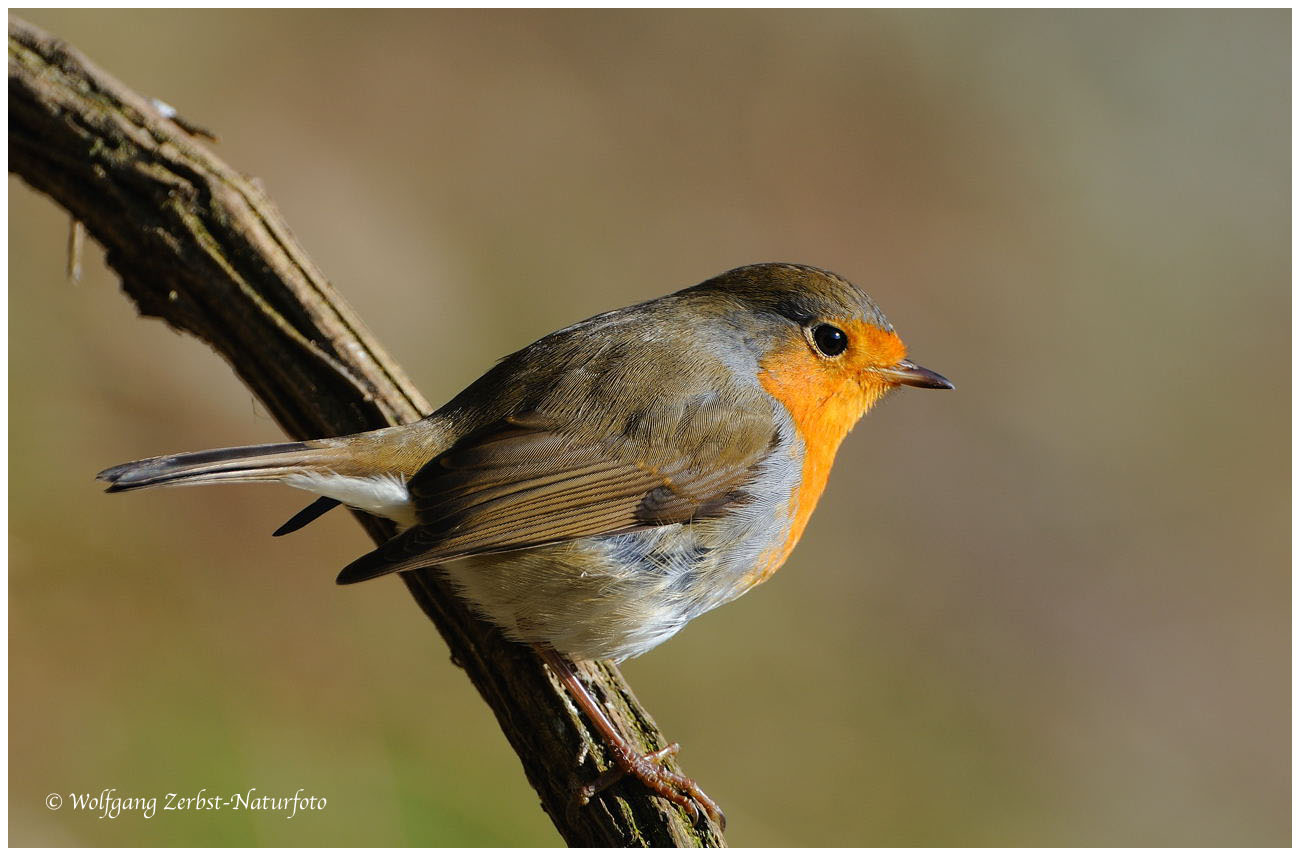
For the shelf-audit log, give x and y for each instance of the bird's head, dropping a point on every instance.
(825, 350)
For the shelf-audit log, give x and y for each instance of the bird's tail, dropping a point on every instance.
(271, 462)
(368, 471)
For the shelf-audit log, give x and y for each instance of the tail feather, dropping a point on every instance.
(270, 462)
(342, 470)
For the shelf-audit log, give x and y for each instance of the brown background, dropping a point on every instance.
(1048, 608)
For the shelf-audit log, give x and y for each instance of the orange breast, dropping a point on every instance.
(825, 398)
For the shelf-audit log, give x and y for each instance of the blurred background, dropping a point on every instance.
(1050, 608)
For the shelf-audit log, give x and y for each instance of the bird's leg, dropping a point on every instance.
(648, 768)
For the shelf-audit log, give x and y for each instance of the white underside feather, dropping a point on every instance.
(383, 495)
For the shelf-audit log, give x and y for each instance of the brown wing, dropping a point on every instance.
(527, 481)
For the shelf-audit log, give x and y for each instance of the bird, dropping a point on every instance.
(595, 491)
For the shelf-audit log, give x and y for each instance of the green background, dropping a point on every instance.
(1051, 607)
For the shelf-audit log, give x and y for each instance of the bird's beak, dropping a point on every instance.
(910, 374)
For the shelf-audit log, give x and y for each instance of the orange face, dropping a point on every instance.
(826, 396)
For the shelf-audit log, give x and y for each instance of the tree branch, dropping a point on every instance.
(200, 246)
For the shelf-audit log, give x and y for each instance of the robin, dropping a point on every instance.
(597, 490)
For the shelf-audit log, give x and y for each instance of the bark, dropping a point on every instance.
(200, 246)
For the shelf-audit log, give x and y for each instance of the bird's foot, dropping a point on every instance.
(649, 770)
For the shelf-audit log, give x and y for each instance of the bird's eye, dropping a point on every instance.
(829, 339)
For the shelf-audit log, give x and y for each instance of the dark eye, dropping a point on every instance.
(829, 339)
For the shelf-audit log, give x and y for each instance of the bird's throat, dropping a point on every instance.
(823, 406)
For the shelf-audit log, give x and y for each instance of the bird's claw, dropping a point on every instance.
(648, 770)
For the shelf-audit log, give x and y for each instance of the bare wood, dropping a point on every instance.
(200, 246)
